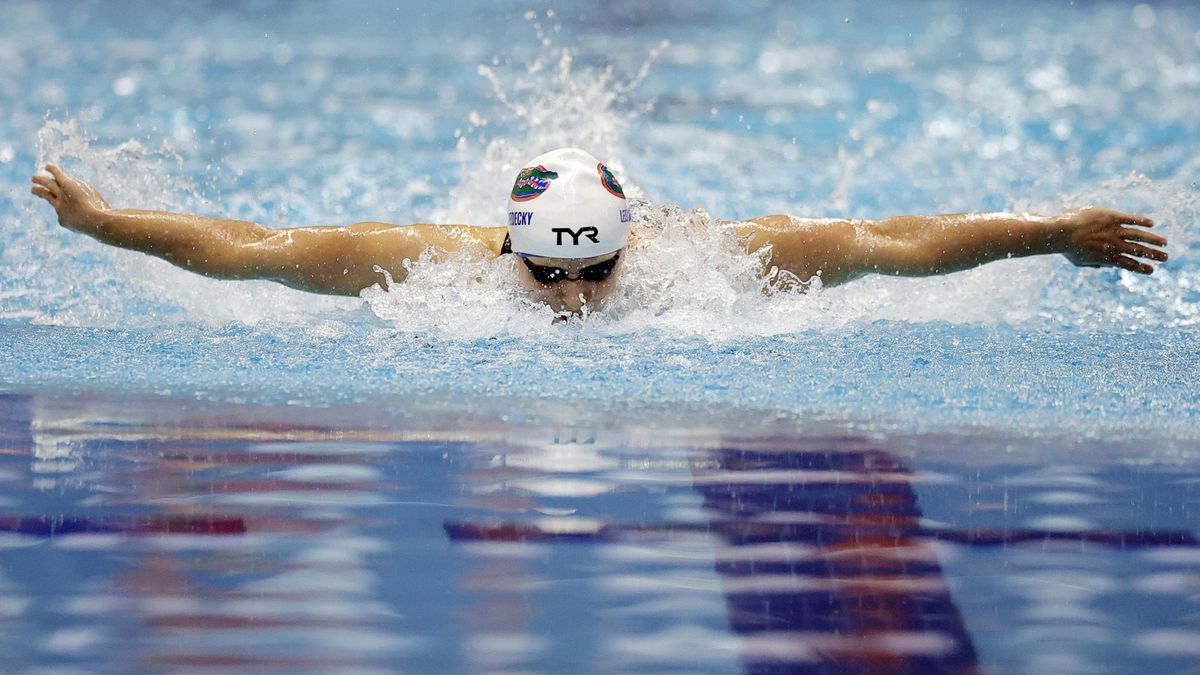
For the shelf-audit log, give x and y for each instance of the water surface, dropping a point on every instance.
(147, 534)
(995, 468)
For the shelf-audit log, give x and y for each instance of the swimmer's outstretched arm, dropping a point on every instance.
(841, 250)
(332, 260)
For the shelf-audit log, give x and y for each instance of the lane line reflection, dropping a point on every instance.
(824, 558)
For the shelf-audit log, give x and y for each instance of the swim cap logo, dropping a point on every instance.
(609, 181)
(531, 182)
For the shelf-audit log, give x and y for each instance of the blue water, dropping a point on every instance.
(160, 534)
(1075, 387)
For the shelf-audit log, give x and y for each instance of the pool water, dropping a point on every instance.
(150, 534)
(996, 470)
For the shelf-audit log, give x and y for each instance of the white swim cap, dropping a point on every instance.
(566, 204)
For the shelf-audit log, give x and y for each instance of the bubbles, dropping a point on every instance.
(952, 25)
(282, 54)
(463, 296)
(1144, 16)
(126, 85)
(689, 274)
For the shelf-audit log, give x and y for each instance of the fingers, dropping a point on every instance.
(1125, 262)
(1133, 219)
(1143, 236)
(1145, 252)
(48, 183)
(1118, 217)
(47, 188)
(44, 193)
(59, 174)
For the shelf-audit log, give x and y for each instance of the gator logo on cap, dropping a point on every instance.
(531, 182)
(609, 181)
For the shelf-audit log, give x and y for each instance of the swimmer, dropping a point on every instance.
(569, 226)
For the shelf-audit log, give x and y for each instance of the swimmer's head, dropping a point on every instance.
(566, 204)
(568, 221)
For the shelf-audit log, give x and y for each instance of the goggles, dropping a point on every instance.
(545, 274)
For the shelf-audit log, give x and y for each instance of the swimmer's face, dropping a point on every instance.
(567, 284)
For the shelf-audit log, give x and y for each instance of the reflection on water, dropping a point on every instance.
(160, 534)
(820, 556)
(825, 563)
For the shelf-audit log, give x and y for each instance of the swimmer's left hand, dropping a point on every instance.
(1096, 237)
(77, 203)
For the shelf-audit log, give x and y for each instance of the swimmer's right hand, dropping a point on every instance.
(78, 204)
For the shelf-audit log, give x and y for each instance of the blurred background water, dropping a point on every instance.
(1077, 384)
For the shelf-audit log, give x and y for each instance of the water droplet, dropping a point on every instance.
(952, 25)
(1144, 16)
(282, 54)
(125, 85)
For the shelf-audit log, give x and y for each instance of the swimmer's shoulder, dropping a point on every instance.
(491, 238)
